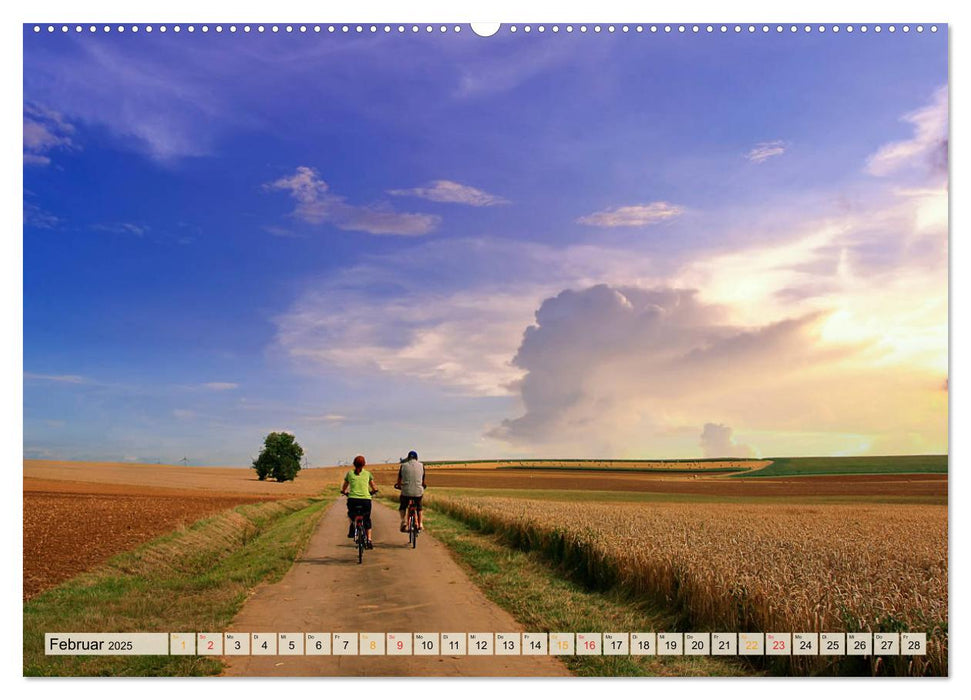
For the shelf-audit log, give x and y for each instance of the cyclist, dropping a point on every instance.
(358, 486)
(411, 481)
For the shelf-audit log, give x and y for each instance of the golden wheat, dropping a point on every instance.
(752, 567)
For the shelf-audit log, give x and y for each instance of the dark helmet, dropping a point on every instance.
(359, 461)
(412, 455)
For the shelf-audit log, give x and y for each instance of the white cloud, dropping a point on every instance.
(487, 73)
(165, 108)
(122, 227)
(44, 131)
(717, 441)
(221, 386)
(281, 232)
(448, 315)
(183, 413)
(633, 215)
(463, 340)
(316, 204)
(926, 149)
(452, 192)
(329, 418)
(36, 217)
(880, 266)
(304, 185)
(61, 378)
(761, 152)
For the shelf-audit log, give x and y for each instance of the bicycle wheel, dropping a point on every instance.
(413, 531)
(360, 546)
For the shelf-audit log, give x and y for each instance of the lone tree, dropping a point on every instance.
(279, 458)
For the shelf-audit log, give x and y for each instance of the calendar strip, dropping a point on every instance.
(487, 643)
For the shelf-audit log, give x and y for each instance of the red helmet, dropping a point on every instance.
(359, 461)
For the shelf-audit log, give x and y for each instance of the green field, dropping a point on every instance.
(823, 466)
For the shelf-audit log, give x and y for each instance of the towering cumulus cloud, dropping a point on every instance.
(632, 370)
(717, 441)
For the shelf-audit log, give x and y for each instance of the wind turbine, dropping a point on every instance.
(185, 461)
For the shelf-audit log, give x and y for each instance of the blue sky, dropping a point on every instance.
(719, 244)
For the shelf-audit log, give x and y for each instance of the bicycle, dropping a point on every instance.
(412, 523)
(360, 534)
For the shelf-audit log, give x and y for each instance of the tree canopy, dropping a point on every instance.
(279, 458)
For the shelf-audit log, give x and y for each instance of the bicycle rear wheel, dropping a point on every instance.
(413, 531)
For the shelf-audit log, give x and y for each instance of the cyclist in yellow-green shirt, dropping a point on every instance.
(358, 486)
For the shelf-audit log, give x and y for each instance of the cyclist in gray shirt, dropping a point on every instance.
(411, 481)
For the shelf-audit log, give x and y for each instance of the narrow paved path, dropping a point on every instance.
(396, 589)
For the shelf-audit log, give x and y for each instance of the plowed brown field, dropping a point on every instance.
(897, 485)
(67, 531)
(79, 514)
(615, 464)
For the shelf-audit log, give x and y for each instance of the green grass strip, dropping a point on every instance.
(192, 580)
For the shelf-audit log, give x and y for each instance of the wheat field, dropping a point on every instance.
(752, 567)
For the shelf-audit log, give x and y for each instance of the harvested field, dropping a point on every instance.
(221, 480)
(752, 567)
(68, 530)
(927, 486)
